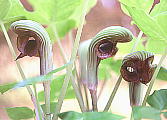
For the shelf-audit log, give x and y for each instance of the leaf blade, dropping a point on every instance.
(4, 9)
(43, 78)
(19, 113)
(146, 112)
(158, 99)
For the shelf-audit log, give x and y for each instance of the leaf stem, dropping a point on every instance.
(131, 116)
(86, 97)
(70, 37)
(59, 43)
(113, 94)
(137, 41)
(70, 66)
(76, 90)
(154, 77)
(47, 99)
(33, 98)
(78, 94)
(41, 116)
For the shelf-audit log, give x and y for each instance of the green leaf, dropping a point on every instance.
(16, 9)
(52, 107)
(15, 12)
(125, 48)
(161, 20)
(103, 72)
(19, 113)
(55, 13)
(54, 10)
(62, 27)
(61, 14)
(146, 23)
(162, 74)
(104, 68)
(6, 87)
(159, 8)
(77, 13)
(43, 78)
(102, 116)
(153, 25)
(149, 26)
(144, 5)
(4, 8)
(146, 112)
(165, 114)
(151, 46)
(56, 85)
(109, 65)
(158, 99)
(71, 115)
(115, 65)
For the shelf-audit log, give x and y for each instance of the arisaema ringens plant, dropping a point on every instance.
(137, 69)
(33, 40)
(92, 51)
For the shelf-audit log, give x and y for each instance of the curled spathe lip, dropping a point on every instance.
(138, 67)
(27, 46)
(31, 37)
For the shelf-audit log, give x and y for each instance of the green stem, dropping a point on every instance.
(71, 38)
(93, 94)
(78, 81)
(59, 43)
(131, 116)
(76, 90)
(120, 77)
(34, 100)
(137, 41)
(86, 97)
(78, 95)
(41, 116)
(47, 99)
(113, 93)
(154, 77)
(70, 66)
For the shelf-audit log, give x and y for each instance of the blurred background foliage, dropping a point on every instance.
(63, 16)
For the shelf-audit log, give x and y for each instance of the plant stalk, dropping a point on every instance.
(113, 94)
(41, 116)
(137, 41)
(86, 97)
(64, 56)
(93, 94)
(76, 90)
(78, 95)
(70, 66)
(46, 65)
